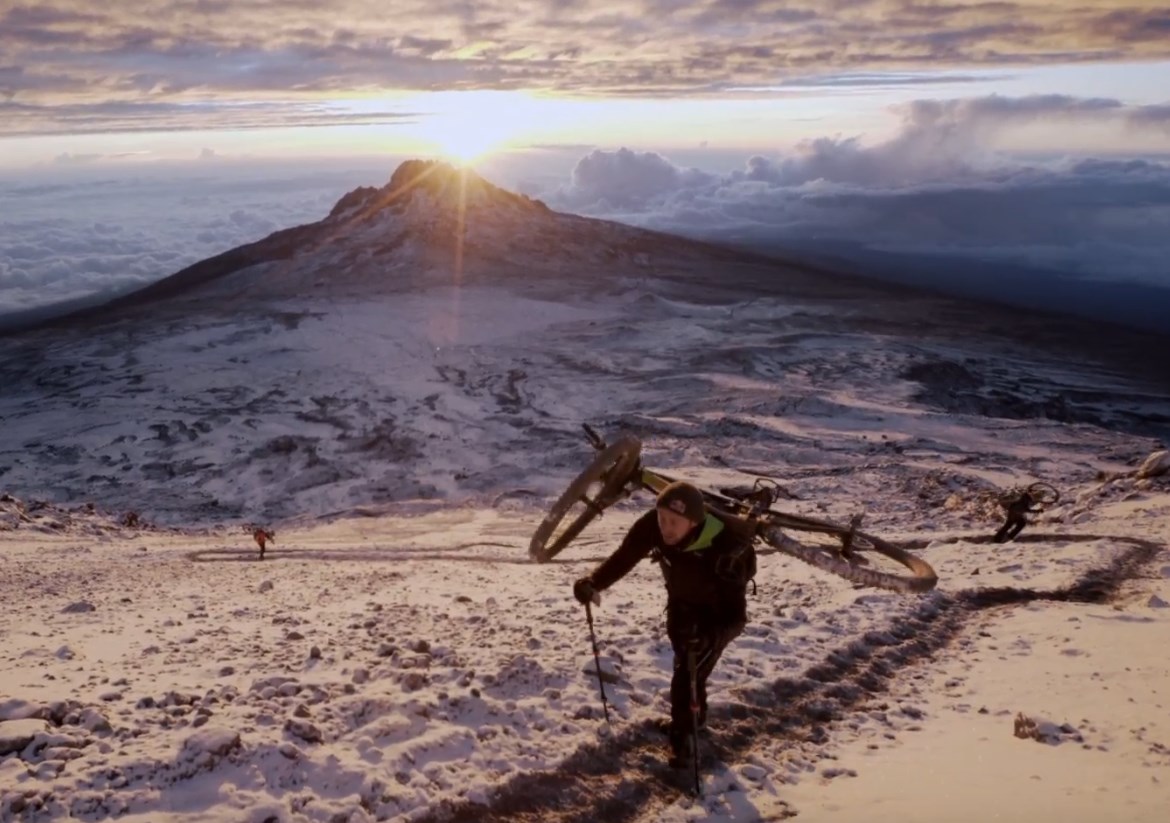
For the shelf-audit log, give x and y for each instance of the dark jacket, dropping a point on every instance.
(710, 568)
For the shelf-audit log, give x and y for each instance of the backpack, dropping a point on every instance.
(739, 565)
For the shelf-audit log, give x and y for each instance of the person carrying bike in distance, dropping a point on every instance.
(707, 563)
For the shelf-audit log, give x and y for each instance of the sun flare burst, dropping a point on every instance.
(467, 126)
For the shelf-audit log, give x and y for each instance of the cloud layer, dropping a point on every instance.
(71, 65)
(938, 187)
(950, 192)
(96, 231)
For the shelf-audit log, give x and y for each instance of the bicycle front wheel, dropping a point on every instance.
(598, 486)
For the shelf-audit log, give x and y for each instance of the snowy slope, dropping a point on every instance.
(398, 391)
(367, 368)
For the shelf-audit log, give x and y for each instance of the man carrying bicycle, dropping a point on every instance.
(707, 563)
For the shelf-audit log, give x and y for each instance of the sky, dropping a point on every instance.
(140, 137)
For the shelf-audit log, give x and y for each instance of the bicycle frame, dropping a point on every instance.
(642, 478)
(621, 473)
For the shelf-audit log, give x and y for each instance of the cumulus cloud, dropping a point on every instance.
(623, 178)
(91, 232)
(173, 52)
(937, 187)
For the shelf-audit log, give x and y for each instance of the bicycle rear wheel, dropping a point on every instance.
(1044, 493)
(598, 486)
(854, 555)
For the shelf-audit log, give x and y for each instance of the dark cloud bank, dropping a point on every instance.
(932, 206)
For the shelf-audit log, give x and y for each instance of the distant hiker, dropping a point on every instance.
(262, 536)
(707, 564)
(1017, 512)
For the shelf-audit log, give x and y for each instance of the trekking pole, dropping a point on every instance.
(597, 661)
(692, 664)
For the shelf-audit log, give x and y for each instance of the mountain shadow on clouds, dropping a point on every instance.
(1135, 305)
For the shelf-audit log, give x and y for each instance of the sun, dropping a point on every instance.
(468, 126)
(464, 145)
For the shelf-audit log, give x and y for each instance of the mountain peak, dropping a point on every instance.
(432, 222)
(440, 182)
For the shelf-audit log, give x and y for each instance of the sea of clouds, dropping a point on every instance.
(939, 202)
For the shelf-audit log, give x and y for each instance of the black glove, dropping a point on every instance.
(586, 592)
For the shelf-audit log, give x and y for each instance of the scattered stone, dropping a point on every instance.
(94, 721)
(213, 741)
(304, 730)
(48, 769)
(606, 676)
(79, 607)
(173, 698)
(294, 636)
(1043, 731)
(750, 771)
(314, 653)
(227, 671)
(413, 681)
(361, 675)
(265, 586)
(274, 682)
(57, 711)
(1156, 602)
(16, 734)
(16, 709)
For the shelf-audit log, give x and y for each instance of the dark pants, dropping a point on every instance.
(710, 631)
(1010, 529)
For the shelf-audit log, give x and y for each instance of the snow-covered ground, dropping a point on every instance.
(402, 428)
(393, 668)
